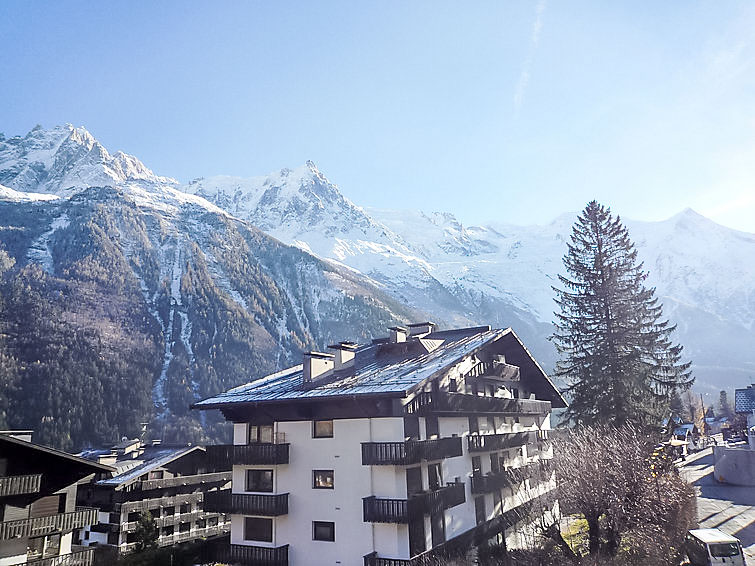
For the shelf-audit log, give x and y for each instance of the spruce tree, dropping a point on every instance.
(616, 352)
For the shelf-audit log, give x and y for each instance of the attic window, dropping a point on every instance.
(322, 429)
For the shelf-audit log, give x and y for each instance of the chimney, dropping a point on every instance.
(316, 366)
(344, 354)
(419, 329)
(398, 334)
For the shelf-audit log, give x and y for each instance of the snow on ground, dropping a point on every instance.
(40, 250)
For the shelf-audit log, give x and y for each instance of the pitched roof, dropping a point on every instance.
(379, 369)
(744, 400)
(130, 470)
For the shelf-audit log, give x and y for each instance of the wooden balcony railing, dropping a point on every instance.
(486, 442)
(383, 510)
(167, 501)
(444, 403)
(409, 451)
(20, 485)
(83, 557)
(177, 481)
(247, 555)
(495, 370)
(246, 503)
(247, 454)
(83, 516)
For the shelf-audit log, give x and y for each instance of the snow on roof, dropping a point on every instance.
(712, 535)
(130, 470)
(376, 371)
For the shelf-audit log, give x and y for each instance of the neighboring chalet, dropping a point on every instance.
(38, 509)
(424, 444)
(169, 482)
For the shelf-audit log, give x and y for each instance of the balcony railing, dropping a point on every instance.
(187, 480)
(168, 501)
(409, 451)
(495, 370)
(490, 482)
(485, 442)
(20, 485)
(247, 454)
(84, 557)
(248, 555)
(246, 503)
(382, 510)
(441, 402)
(83, 516)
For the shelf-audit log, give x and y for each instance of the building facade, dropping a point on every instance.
(38, 511)
(389, 454)
(170, 483)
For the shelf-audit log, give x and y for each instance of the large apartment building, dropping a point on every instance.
(423, 444)
(169, 482)
(38, 512)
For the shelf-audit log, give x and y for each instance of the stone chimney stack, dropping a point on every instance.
(345, 352)
(316, 366)
(398, 334)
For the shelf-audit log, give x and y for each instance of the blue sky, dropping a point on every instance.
(506, 111)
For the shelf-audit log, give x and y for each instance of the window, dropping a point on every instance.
(434, 476)
(491, 425)
(43, 547)
(515, 392)
(474, 425)
(258, 528)
(476, 465)
(411, 428)
(322, 429)
(322, 479)
(323, 530)
(260, 434)
(259, 480)
(432, 429)
(413, 480)
(156, 475)
(453, 386)
(495, 463)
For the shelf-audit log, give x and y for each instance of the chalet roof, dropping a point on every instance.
(744, 400)
(58, 469)
(383, 369)
(129, 470)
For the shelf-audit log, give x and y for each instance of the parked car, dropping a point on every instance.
(711, 547)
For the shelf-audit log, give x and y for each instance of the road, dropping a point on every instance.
(721, 506)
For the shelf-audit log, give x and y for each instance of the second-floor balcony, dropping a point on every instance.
(247, 555)
(20, 528)
(410, 451)
(224, 501)
(20, 485)
(226, 455)
(178, 481)
(454, 404)
(383, 510)
(487, 442)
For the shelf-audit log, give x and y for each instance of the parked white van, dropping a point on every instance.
(711, 547)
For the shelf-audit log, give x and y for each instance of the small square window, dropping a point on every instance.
(259, 529)
(322, 429)
(259, 480)
(322, 479)
(323, 530)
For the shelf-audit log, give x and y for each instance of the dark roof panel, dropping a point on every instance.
(744, 400)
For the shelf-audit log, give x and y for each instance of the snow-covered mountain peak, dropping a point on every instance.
(64, 160)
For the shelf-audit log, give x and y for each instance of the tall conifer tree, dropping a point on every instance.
(616, 352)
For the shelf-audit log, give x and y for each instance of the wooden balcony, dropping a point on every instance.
(83, 516)
(491, 370)
(409, 451)
(382, 510)
(247, 555)
(490, 482)
(246, 503)
(83, 557)
(453, 404)
(226, 455)
(167, 501)
(487, 442)
(20, 485)
(178, 481)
